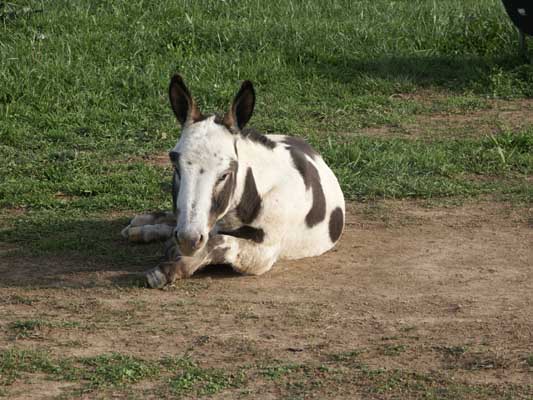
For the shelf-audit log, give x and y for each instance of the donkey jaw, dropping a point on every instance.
(187, 251)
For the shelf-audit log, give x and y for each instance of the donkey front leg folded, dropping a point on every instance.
(152, 227)
(244, 256)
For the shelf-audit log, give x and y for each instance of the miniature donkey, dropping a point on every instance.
(240, 197)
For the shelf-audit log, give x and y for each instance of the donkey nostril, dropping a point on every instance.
(200, 240)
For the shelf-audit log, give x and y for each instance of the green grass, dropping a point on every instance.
(178, 376)
(84, 91)
(202, 381)
(31, 327)
(393, 349)
(181, 377)
(529, 360)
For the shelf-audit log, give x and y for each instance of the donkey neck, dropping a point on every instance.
(264, 162)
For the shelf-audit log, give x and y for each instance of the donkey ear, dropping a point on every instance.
(182, 103)
(241, 108)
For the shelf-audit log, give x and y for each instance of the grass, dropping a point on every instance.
(529, 360)
(393, 349)
(181, 377)
(82, 101)
(33, 327)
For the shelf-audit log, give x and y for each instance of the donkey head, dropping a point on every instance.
(206, 163)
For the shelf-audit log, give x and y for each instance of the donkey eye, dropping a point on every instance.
(223, 177)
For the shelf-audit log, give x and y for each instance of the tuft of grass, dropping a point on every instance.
(18, 299)
(347, 356)
(275, 372)
(115, 369)
(32, 327)
(452, 350)
(393, 349)
(203, 382)
(27, 328)
(529, 360)
(15, 362)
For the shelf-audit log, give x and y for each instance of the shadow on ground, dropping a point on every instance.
(454, 73)
(72, 252)
(79, 253)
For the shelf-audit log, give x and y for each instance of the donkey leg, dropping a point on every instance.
(179, 267)
(248, 257)
(150, 227)
(245, 256)
(169, 271)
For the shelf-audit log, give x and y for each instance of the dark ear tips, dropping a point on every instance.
(176, 78)
(244, 103)
(247, 85)
(177, 81)
(181, 101)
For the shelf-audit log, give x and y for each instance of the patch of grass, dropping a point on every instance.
(451, 350)
(31, 327)
(408, 328)
(202, 381)
(27, 328)
(347, 356)
(477, 361)
(18, 299)
(115, 369)
(14, 362)
(393, 349)
(275, 372)
(372, 168)
(529, 360)
(178, 377)
(460, 357)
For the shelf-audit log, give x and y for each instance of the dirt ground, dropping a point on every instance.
(431, 289)
(498, 117)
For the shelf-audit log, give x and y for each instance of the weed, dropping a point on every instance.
(451, 350)
(275, 372)
(115, 369)
(393, 349)
(529, 360)
(27, 328)
(32, 327)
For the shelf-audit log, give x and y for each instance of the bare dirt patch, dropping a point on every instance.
(440, 291)
(499, 116)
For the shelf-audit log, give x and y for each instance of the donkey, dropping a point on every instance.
(239, 197)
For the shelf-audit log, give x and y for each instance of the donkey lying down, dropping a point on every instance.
(240, 197)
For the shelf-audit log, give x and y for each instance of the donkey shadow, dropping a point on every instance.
(454, 73)
(80, 253)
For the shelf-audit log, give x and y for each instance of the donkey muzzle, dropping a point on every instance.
(189, 242)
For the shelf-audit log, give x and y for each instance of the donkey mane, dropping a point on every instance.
(248, 133)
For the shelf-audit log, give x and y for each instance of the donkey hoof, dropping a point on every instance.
(155, 278)
(134, 234)
(125, 232)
